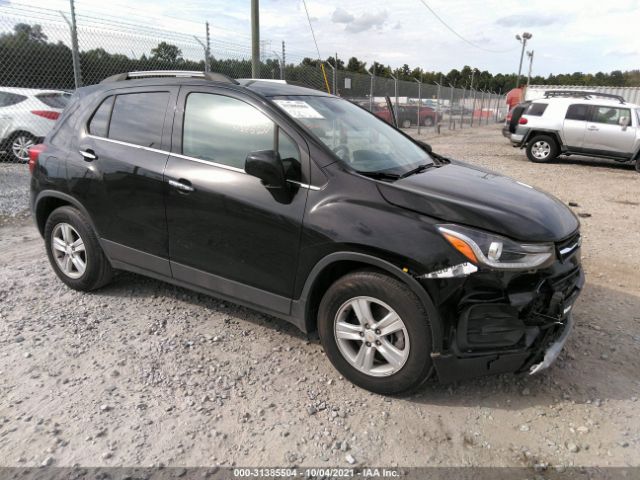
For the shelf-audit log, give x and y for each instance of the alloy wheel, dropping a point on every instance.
(20, 147)
(541, 149)
(371, 336)
(68, 250)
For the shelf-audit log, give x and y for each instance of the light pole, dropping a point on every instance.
(530, 55)
(523, 40)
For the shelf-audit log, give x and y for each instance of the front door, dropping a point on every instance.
(605, 135)
(227, 232)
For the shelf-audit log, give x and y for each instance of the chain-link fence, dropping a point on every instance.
(45, 54)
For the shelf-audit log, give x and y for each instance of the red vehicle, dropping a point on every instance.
(407, 115)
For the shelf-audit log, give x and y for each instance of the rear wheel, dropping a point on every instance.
(638, 164)
(375, 332)
(542, 149)
(74, 251)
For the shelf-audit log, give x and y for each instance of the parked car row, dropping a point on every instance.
(569, 122)
(26, 116)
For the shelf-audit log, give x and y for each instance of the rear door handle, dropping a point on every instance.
(181, 185)
(88, 154)
(593, 128)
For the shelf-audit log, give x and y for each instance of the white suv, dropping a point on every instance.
(26, 116)
(569, 122)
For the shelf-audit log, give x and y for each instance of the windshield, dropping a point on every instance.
(358, 138)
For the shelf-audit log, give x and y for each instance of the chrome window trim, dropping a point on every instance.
(192, 159)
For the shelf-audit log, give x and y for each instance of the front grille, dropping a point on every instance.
(566, 248)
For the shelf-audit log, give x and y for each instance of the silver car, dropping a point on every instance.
(568, 122)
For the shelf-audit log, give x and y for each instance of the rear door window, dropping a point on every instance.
(54, 99)
(138, 118)
(577, 111)
(536, 109)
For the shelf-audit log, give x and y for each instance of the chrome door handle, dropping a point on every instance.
(593, 129)
(88, 154)
(181, 186)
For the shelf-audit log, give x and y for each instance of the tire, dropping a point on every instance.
(18, 146)
(542, 149)
(428, 122)
(410, 339)
(638, 165)
(68, 225)
(406, 123)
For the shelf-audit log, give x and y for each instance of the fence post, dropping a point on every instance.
(451, 120)
(395, 92)
(498, 104)
(473, 108)
(371, 91)
(481, 109)
(462, 107)
(75, 54)
(489, 108)
(438, 108)
(206, 57)
(284, 63)
(419, 102)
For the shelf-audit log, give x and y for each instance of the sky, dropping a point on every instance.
(568, 36)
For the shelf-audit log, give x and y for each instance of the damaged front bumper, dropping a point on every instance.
(496, 322)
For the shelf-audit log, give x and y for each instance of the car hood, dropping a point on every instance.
(460, 193)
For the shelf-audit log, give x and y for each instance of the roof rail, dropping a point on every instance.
(581, 93)
(213, 76)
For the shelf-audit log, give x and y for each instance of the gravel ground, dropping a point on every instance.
(142, 373)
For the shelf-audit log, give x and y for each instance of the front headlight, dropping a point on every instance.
(494, 251)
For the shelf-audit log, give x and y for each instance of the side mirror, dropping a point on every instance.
(267, 166)
(623, 122)
(425, 146)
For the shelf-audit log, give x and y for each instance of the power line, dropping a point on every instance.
(304, 2)
(457, 34)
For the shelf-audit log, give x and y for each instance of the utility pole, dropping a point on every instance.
(255, 39)
(530, 55)
(523, 40)
(75, 54)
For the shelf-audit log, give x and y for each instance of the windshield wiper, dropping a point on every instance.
(380, 175)
(418, 169)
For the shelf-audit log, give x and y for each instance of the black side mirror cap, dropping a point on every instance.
(267, 166)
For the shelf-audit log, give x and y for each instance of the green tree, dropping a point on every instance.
(166, 52)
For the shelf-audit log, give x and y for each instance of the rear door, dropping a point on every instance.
(605, 135)
(227, 232)
(117, 173)
(575, 125)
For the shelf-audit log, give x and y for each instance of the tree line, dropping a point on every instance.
(30, 60)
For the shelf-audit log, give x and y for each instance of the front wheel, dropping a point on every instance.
(375, 332)
(542, 149)
(406, 123)
(428, 122)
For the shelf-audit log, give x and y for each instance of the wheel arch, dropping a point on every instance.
(338, 264)
(551, 133)
(48, 200)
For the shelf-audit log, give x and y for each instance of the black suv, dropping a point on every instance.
(307, 207)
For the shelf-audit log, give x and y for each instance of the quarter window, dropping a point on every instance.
(536, 109)
(577, 112)
(99, 124)
(138, 118)
(225, 130)
(7, 99)
(54, 99)
(610, 115)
